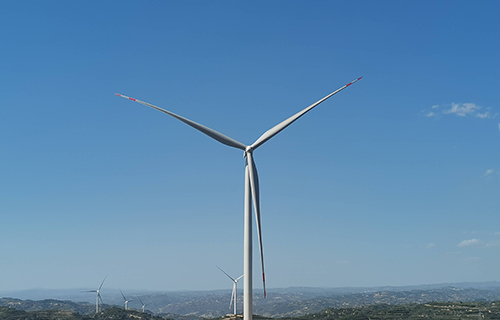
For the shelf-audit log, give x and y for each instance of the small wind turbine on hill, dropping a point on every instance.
(98, 295)
(251, 187)
(126, 301)
(143, 304)
(235, 289)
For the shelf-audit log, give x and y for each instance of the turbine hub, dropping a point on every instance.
(248, 149)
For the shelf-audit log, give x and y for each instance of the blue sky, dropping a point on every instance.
(394, 181)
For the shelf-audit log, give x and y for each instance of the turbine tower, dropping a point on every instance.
(251, 187)
(98, 295)
(235, 289)
(126, 300)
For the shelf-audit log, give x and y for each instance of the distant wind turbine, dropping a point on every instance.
(143, 304)
(98, 295)
(251, 186)
(126, 300)
(235, 289)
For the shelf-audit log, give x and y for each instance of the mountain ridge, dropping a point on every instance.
(281, 302)
(43, 293)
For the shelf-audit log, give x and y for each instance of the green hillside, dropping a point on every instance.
(113, 313)
(436, 310)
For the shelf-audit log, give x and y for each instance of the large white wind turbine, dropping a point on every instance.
(251, 186)
(98, 295)
(126, 300)
(235, 289)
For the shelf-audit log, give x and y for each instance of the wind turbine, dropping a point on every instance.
(126, 301)
(98, 295)
(251, 186)
(143, 304)
(235, 286)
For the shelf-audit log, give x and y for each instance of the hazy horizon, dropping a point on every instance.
(443, 284)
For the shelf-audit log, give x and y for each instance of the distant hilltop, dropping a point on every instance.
(76, 293)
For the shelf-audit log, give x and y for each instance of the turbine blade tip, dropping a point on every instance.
(123, 96)
(264, 284)
(353, 81)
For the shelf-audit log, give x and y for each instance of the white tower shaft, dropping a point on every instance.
(247, 253)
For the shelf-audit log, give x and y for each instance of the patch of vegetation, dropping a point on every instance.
(108, 314)
(13, 314)
(433, 310)
(436, 310)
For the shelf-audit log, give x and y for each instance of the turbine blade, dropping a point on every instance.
(100, 298)
(279, 127)
(102, 282)
(239, 277)
(123, 295)
(254, 186)
(206, 130)
(225, 273)
(89, 291)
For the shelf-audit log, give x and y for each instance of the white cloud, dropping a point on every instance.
(485, 115)
(470, 242)
(462, 109)
(489, 172)
(431, 245)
